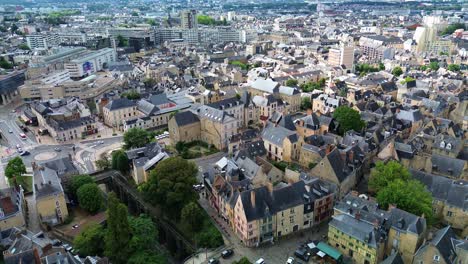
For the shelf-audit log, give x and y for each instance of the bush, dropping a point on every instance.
(90, 197)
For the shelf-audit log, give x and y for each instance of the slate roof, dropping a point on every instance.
(405, 221)
(226, 103)
(146, 107)
(359, 230)
(444, 189)
(186, 118)
(276, 134)
(338, 165)
(288, 90)
(265, 85)
(413, 115)
(120, 104)
(443, 241)
(395, 258)
(448, 166)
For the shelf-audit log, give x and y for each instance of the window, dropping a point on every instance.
(368, 255)
(291, 211)
(436, 257)
(449, 213)
(291, 219)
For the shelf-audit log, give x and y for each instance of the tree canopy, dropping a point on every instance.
(135, 138)
(410, 196)
(77, 181)
(89, 242)
(5, 64)
(349, 119)
(397, 71)
(291, 82)
(118, 232)
(306, 103)
(451, 28)
(384, 173)
(90, 197)
(434, 65)
(103, 163)
(144, 233)
(243, 260)
(141, 257)
(15, 168)
(170, 185)
(311, 85)
(120, 161)
(454, 67)
(192, 216)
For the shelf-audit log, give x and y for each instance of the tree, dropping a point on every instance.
(123, 42)
(24, 46)
(89, 242)
(423, 67)
(90, 197)
(454, 67)
(211, 238)
(306, 103)
(13, 29)
(118, 232)
(384, 173)
(151, 22)
(144, 233)
(170, 185)
(451, 28)
(135, 138)
(243, 260)
(408, 79)
(120, 161)
(132, 95)
(381, 66)
(291, 82)
(192, 217)
(149, 82)
(434, 65)
(15, 169)
(5, 64)
(77, 181)
(146, 257)
(349, 119)
(410, 196)
(397, 71)
(103, 163)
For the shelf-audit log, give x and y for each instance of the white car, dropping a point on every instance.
(290, 260)
(260, 261)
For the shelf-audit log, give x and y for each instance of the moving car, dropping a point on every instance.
(23, 136)
(227, 253)
(24, 153)
(57, 149)
(213, 261)
(290, 260)
(260, 261)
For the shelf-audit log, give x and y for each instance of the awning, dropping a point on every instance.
(321, 254)
(311, 245)
(333, 253)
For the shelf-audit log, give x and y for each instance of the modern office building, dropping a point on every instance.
(188, 19)
(342, 55)
(90, 63)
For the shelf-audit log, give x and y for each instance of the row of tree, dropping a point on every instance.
(394, 185)
(126, 239)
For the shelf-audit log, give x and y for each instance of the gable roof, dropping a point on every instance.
(186, 118)
(120, 103)
(276, 134)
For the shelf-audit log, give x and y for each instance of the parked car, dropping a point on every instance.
(290, 260)
(302, 254)
(213, 261)
(10, 131)
(260, 261)
(24, 153)
(56, 242)
(57, 149)
(227, 253)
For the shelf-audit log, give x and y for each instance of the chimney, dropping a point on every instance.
(357, 216)
(351, 156)
(309, 111)
(269, 186)
(34, 165)
(391, 207)
(252, 197)
(355, 193)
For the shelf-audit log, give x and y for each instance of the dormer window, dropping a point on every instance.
(442, 144)
(449, 146)
(436, 258)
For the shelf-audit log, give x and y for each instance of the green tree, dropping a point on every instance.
(349, 119)
(5, 64)
(120, 161)
(144, 233)
(192, 217)
(118, 233)
(135, 138)
(132, 95)
(77, 181)
(24, 46)
(423, 67)
(381, 66)
(243, 260)
(291, 82)
(122, 42)
(407, 79)
(146, 257)
(451, 28)
(211, 238)
(151, 22)
(89, 242)
(170, 185)
(454, 67)
(385, 173)
(410, 196)
(434, 65)
(15, 169)
(90, 197)
(103, 163)
(306, 103)
(149, 82)
(397, 71)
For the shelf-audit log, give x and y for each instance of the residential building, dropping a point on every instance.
(145, 159)
(188, 19)
(49, 195)
(184, 127)
(117, 111)
(342, 56)
(280, 143)
(12, 208)
(290, 95)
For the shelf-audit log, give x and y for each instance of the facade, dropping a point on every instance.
(117, 111)
(188, 19)
(184, 127)
(12, 208)
(280, 143)
(90, 63)
(290, 95)
(342, 55)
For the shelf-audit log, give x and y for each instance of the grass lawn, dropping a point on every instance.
(25, 181)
